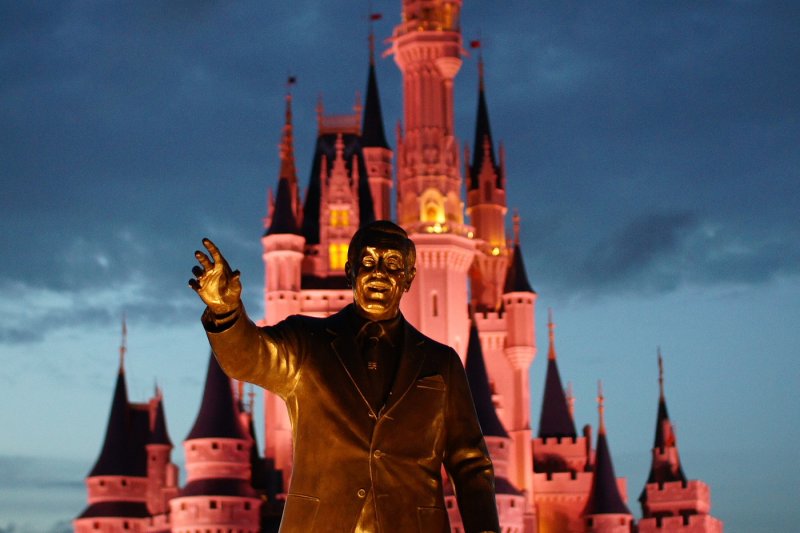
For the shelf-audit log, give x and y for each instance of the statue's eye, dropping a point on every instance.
(368, 261)
(394, 264)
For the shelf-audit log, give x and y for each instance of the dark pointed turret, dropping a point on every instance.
(483, 147)
(666, 464)
(288, 169)
(516, 276)
(283, 219)
(123, 452)
(372, 132)
(481, 390)
(119, 455)
(604, 497)
(218, 416)
(555, 420)
(158, 424)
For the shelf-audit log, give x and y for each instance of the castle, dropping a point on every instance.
(471, 292)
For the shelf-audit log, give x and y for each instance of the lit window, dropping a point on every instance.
(338, 256)
(340, 218)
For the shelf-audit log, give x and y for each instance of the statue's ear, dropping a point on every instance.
(348, 271)
(412, 272)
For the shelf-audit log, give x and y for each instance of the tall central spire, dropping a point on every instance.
(427, 46)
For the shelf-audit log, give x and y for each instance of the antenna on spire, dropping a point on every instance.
(551, 332)
(601, 406)
(660, 374)
(516, 220)
(123, 347)
(373, 17)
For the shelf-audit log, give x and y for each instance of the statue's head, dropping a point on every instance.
(380, 268)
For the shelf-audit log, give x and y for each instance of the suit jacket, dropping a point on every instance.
(344, 452)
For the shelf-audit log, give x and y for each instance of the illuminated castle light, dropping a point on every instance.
(471, 291)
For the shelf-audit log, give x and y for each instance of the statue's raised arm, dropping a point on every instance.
(214, 281)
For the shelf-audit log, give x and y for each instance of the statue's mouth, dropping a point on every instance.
(379, 287)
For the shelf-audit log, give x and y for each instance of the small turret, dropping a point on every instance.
(669, 501)
(117, 485)
(510, 500)
(218, 490)
(377, 154)
(605, 511)
(555, 420)
(486, 207)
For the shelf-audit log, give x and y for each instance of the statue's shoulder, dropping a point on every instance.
(428, 344)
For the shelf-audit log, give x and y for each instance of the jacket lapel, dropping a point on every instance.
(409, 366)
(346, 350)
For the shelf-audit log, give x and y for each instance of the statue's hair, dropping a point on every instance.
(381, 231)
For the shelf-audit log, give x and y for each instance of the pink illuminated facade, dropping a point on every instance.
(471, 291)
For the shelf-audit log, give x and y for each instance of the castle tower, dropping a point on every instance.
(377, 154)
(606, 511)
(562, 460)
(519, 351)
(282, 243)
(427, 49)
(339, 213)
(486, 207)
(510, 500)
(118, 485)
(162, 474)
(670, 502)
(338, 202)
(218, 494)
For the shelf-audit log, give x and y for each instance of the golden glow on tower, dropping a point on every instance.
(340, 218)
(337, 253)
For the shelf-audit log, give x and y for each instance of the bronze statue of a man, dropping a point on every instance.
(376, 406)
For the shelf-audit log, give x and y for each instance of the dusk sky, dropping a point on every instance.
(653, 151)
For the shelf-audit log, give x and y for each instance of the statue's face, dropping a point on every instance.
(379, 279)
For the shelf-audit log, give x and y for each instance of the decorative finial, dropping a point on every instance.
(660, 374)
(516, 221)
(551, 332)
(123, 347)
(373, 17)
(476, 43)
(601, 407)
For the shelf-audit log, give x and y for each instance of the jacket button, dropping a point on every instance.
(377, 454)
(362, 493)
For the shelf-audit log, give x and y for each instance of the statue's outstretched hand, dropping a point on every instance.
(214, 282)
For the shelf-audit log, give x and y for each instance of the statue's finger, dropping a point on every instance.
(194, 284)
(214, 251)
(203, 260)
(197, 271)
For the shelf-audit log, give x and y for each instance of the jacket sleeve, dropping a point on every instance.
(269, 357)
(466, 458)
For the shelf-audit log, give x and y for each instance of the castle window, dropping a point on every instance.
(246, 506)
(95, 525)
(340, 218)
(124, 482)
(214, 445)
(337, 256)
(126, 525)
(212, 504)
(435, 304)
